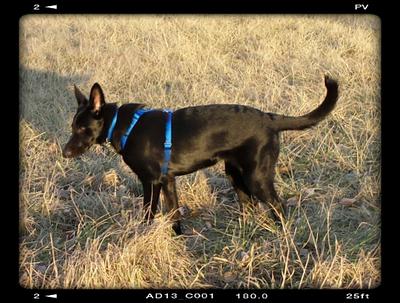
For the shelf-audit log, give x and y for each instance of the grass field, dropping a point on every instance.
(79, 218)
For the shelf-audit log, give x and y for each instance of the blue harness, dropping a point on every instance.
(136, 117)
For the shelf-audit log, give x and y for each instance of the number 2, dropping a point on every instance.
(36, 296)
(36, 7)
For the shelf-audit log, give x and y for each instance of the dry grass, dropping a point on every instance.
(79, 219)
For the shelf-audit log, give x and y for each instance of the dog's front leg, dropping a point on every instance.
(171, 199)
(151, 193)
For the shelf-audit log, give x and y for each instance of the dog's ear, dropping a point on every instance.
(96, 99)
(82, 100)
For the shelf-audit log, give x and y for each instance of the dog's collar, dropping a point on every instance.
(112, 126)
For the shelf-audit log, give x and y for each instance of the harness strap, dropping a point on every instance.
(167, 143)
(112, 126)
(135, 119)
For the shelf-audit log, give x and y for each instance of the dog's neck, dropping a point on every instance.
(108, 112)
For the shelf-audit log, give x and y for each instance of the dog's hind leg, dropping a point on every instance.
(151, 193)
(235, 177)
(260, 181)
(265, 192)
(279, 208)
(171, 201)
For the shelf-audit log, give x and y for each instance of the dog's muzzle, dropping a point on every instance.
(67, 153)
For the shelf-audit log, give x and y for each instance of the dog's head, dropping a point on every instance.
(88, 122)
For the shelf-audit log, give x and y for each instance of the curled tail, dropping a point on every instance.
(281, 122)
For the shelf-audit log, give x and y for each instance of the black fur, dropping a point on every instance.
(246, 138)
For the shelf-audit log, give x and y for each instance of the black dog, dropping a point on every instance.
(247, 139)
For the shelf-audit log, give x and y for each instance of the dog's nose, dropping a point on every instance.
(67, 153)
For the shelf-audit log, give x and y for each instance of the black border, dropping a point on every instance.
(211, 7)
(20, 294)
(211, 295)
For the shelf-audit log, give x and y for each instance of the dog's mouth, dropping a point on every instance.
(75, 146)
(69, 152)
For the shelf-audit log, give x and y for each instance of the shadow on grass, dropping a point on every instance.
(47, 100)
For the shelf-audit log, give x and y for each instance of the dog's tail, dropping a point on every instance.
(297, 123)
